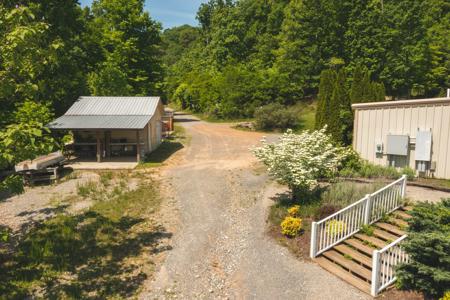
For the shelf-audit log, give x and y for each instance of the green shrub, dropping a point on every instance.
(428, 246)
(12, 184)
(343, 193)
(409, 172)
(325, 210)
(291, 226)
(4, 234)
(275, 116)
(369, 170)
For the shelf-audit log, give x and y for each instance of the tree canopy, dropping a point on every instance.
(278, 49)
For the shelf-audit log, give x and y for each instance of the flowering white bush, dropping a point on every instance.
(299, 160)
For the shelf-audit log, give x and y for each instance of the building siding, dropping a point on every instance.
(374, 123)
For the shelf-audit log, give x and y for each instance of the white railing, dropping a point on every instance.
(384, 262)
(332, 230)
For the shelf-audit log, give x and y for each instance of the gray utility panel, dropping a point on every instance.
(423, 146)
(397, 145)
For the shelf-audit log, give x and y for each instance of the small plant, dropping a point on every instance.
(347, 256)
(367, 230)
(86, 189)
(446, 296)
(409, 172)
(4, 235)
(294, 211)
(291, 226)
(12, 184)
(335, 227)
(105, 178)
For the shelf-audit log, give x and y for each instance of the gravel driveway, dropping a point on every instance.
(221, 250)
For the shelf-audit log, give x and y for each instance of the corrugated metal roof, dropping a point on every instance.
(114, 106)
(108, 113)
(100, 122)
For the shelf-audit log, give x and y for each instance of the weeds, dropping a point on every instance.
(105, 178)
(367, 230)
(86, 189)
(87, 256)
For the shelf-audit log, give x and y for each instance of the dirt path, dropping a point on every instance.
(221, 250)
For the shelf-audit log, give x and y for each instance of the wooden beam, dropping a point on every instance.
(99, 148)
(138, 146)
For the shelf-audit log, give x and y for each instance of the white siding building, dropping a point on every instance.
(414, 133)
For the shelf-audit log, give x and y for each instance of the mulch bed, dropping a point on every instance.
(299, 245)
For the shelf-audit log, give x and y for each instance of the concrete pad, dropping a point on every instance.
(116, 163)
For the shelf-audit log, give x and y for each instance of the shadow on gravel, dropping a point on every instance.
(185, 120)
(87, 256)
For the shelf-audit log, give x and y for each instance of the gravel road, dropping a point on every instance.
(221, 250)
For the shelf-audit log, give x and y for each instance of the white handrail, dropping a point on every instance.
(337, 227)
(384, 262)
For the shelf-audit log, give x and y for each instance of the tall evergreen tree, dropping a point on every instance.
(326, 87)
(339, 107)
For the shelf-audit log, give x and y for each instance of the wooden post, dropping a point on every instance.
(138, 146)
(108, 144)
(313, 249)
(99, 148)
(375, 273)
(367, 209)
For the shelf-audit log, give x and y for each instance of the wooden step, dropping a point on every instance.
(354, 254)
(373, 240)
(398, 222)
(360, 246)
(348, 264)
(390, 228)
(385, 235)
(402, 215)
(343, 274)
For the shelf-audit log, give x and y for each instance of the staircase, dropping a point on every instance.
(352, 259)
(362, 243)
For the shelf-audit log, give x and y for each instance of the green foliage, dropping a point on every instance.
(363, 89)
(327, 82)
(12, 184)
(428, 246)
(409, 172)
(28, 138)
(275, 116)
(4, 234)
(109, 80)
(291, 226)
(367, 229)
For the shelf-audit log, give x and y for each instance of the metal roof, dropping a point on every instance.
(108, 113)
(413, 102)
(114, 106)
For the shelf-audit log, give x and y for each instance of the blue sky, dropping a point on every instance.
(169, 12)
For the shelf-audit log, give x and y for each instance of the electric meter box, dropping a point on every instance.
(397, 145)
(423, 146)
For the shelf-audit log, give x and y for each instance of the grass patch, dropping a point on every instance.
(86, 189)
(98, 254)
(168, 147)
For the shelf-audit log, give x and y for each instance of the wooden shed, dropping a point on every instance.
(105, 127)
(414, 133)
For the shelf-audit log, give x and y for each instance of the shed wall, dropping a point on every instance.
(372, 125)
